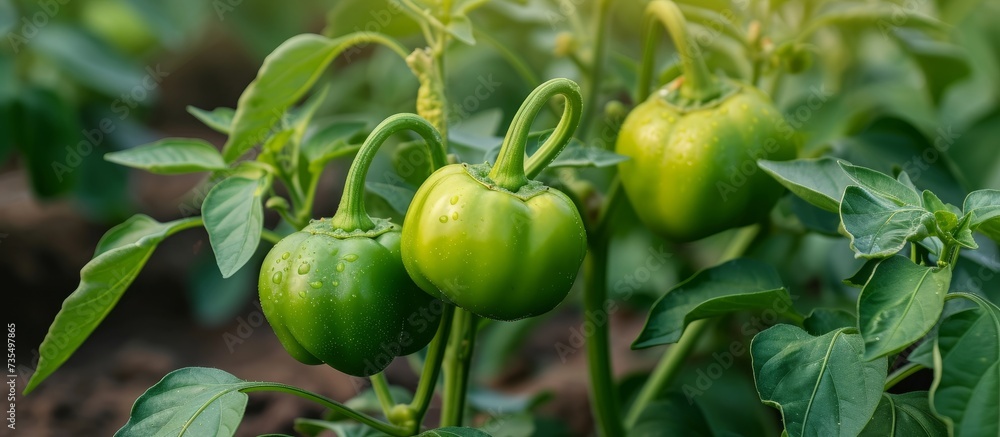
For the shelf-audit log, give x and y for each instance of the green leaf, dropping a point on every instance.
(300, 119)
(93, 62)
(823, 320)
(879, 227)
(967, 372)
(332, 141)
(904, 415)
(171, 156)
(412, 162)
(287, 73)
(219, 119)
(900, 304)
(820, 182)
(863, 274)
(130, 231)
(741, 284)
(576, 155)
(942, 63)
(461, 28)
(398, 197)
(190, 401)
(883, 185)
(121, 255)
(933, 203)
(984, 205)
(47, 134)
(454, 431)
(314, 427)
(234, 217)
(671, 416)
(821, 384)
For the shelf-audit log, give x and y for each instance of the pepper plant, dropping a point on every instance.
(494, 232)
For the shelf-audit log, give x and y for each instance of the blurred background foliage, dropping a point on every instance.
(892, 85)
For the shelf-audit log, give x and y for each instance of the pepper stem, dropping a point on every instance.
(699, 84)
(509, 171)
(351, 215)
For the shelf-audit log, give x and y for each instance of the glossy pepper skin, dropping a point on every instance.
(336, 292)
(491, 251)
(337, 300)
(693, 172)
(694, 145)
(491, 241)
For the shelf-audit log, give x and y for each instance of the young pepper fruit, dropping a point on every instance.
(490, 239)
(336, 292)
(695, 144)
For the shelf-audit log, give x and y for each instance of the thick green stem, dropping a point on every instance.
(603, 396)
(509, 171)
(381, 387)
(432, 366)
(597, 63)
(329, 403)
(699, 84)
(351, 214)
(667, 369)
(456, 367)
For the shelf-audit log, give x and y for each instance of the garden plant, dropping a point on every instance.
(789, 158)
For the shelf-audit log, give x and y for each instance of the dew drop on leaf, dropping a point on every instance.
(304, 268)
(350, 258)
(276, 278)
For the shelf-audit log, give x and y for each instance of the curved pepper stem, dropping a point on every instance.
(699, 84)
(509, 171)
(351, 214)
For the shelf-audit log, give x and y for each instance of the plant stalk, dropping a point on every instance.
(666, 370)
(432, 367)
(458, 356)
(699, 84)
(673, 358)
(603, 396)
(381, 387)
(329, 403)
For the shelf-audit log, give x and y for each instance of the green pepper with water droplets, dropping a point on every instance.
(490, 239)
(336, 292)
